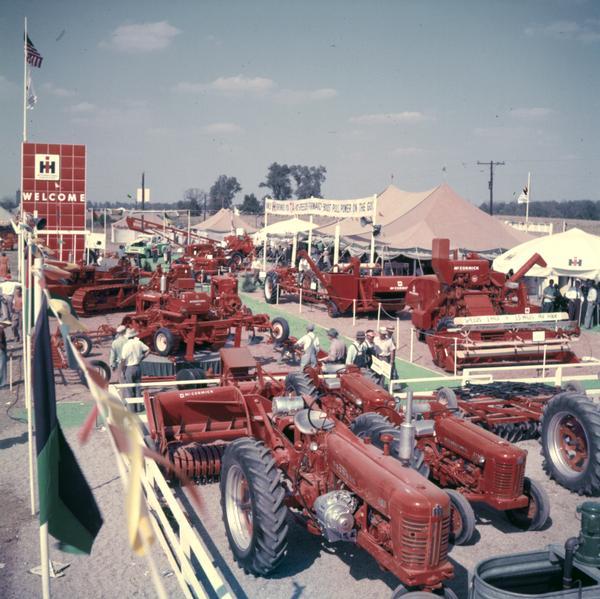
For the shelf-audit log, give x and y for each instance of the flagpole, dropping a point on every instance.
(528, 200)
(25, 84)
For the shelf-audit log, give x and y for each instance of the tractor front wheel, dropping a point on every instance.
(402, 592)
(83, 344)
(236, 261)
(462, 518)
(101, 368)
(254, 512)
(570, 438)
(535, 515)
(280, 330)
(164, 341)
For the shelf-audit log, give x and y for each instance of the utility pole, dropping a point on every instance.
(491, 164)
(143, 196)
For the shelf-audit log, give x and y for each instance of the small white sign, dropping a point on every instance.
(47, 167)
(381, 367)
(146, 195)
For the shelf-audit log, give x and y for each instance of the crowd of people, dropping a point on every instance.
(581, 301)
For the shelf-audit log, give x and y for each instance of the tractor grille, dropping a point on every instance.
(424, 544)
(509, 479)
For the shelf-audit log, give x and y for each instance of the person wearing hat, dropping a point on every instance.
(132, 354)
(337, 348)
(117, 346)
(358, 351)
(385, 348)
(309, 344)
(3, 352)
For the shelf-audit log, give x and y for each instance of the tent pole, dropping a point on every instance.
(336, 245)
(265, 241)
(310, 236)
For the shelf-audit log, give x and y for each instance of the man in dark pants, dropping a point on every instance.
(132, 354)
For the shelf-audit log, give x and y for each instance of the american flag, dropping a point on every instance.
(34, 58)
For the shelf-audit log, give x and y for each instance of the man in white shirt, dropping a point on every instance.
(574, 296)
(356, 354)
(132, 354)
(385, 348)
(116, 347)
(309, 344)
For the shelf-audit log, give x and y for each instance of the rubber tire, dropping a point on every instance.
(272, 280)
(199, 277)
(371, 424)
(447, 394)
(588, 416)
(86, 341)
(460, 503)
(102, 367)
(402, 591)
(285, 330)
(519, 518)
(268, 545)
(333, 310)
(169, 340)
(235, 261)
(574, 387)
(189, 374)
(301, 384)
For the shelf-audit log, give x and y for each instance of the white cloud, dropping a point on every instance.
(143, 37)
(59, 92)
(587, 31)
(388, 118)
(299, 96)
(240, 85)
(82, 107)
(534, 113)
(408, 151)
(222, 128)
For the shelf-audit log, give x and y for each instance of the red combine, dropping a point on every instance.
(92, 290)
(274, 454)
(338, 290)
(471, 314)
(471, 464)
(172, 313)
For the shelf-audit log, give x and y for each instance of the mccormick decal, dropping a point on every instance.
(42, 196)
(458, 267)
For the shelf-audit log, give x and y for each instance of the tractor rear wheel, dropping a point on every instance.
(570, 438)
(402, 591)
(332, 309)
(164, 342)
(83, 344)
(252, 501)
(271, 290)
(462, 518)
(301, 384)
(280, 330)
(374, 425)
(189, 374)
(235, 261)
(536, 514)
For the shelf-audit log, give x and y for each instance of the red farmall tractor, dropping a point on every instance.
(274, 454)
(175, 314)
(92, 290)
(471, 464)
(470, 314)
(340, 290)
(566, 422)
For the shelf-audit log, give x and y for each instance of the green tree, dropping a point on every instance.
(193, 199)
(278, 181)
(308, 180)
(222, 192)
(251, 205)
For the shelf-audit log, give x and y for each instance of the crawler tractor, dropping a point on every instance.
(470, 314)
(471, 464)
(275, 454)
(91, 290)
(340, 290)
(176, 314)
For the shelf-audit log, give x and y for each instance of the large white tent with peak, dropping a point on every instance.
(573, 253)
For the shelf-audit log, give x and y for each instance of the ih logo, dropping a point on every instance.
(575, 261)
(47, 167)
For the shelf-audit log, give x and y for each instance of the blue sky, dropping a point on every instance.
(417, 90)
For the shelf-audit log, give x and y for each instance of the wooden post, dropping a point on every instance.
(294, 249)
(412, 343)
(336, 245)
(378, 316)
(354, 312)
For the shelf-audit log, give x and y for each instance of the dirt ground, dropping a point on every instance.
(313, 568)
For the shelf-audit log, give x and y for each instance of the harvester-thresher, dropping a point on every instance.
(176, 314)
(340, 290)
(470, 314)
(273, 453)
(471, 464)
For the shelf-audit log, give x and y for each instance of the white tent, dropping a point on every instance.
(284, 228)
(573, 253)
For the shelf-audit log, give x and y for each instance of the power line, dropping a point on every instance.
(491, 164)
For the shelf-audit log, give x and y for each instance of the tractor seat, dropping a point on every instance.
(327, 368)
(308, 421)
(332, 383)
